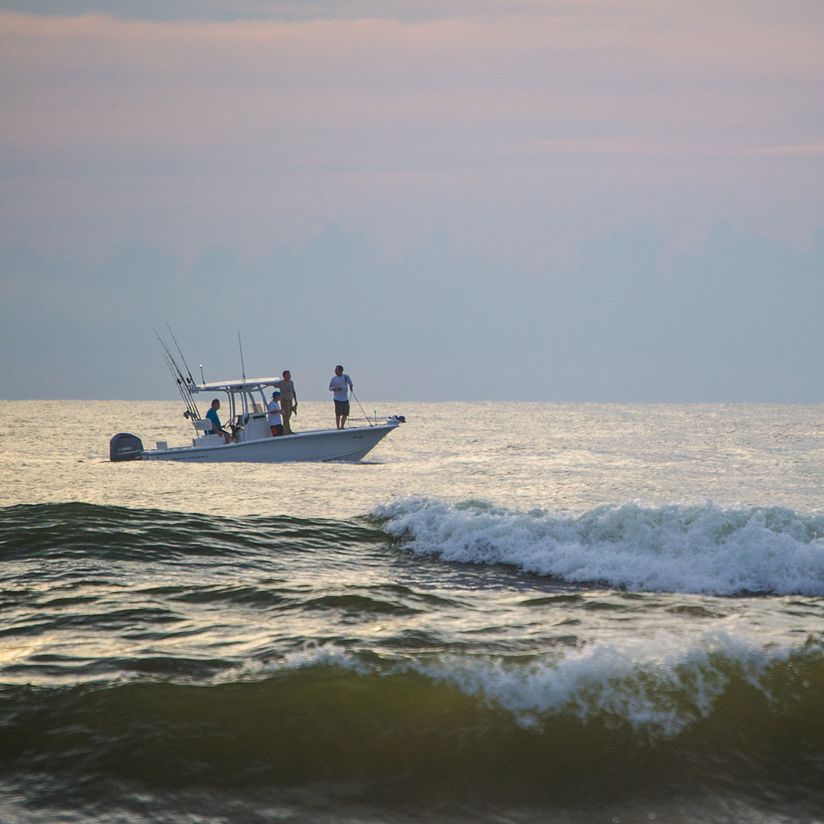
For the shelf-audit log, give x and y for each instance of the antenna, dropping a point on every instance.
(242, 365)
(202, 379)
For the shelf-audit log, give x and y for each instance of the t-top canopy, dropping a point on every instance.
(250, 384)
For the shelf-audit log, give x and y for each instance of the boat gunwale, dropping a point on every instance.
(388, 425)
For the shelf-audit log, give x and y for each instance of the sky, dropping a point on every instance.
(564, 200)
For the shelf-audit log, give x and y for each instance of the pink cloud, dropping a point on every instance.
(327, 117)
(803, 150)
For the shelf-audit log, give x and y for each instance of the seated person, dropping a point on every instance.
(217, 429)
(275, 414)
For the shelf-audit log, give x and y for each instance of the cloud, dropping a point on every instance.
(732, 318)
(610, 147)
(804, 150)
(508, 138)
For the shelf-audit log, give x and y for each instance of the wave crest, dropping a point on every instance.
(673, 548)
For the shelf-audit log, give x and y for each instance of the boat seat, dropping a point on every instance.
(203, 426)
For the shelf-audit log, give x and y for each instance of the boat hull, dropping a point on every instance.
(319, 445)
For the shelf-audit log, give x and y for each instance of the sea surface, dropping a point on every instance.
(506, 613)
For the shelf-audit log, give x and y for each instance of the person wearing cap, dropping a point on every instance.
(288, 400)
(275, 414)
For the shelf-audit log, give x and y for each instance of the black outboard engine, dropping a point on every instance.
(125, 447)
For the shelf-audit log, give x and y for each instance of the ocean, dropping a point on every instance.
(506, 613)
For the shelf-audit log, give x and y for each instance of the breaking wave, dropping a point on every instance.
(332, 714)
(690, 549)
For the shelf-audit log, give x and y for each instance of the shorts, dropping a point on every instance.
(342, 408)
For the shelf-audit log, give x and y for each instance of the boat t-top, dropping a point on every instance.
(251, 439)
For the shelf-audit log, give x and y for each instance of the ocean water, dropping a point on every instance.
(507, 613)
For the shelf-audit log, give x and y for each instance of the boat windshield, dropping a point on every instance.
(246, 402)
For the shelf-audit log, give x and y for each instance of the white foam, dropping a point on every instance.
(657, 686)
(697, 549)
(660, 685)
(322, 655)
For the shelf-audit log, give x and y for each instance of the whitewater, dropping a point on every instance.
(509, 613)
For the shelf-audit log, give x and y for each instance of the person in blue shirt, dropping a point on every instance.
(212, 416)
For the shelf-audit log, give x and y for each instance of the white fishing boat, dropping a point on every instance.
(249, 437)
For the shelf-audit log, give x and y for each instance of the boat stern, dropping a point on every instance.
(125, 447)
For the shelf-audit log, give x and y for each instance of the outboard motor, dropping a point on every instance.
(125, 447)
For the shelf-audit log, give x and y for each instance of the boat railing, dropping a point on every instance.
(361, 421)
(376, 419)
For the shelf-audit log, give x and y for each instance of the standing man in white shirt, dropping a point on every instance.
(341, 385)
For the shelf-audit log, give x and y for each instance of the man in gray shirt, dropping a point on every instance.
(288, 399)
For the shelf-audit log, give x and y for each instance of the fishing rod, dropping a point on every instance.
(188, 371)
(363, 411)
(188, 380)
(183, 387)
(191, 409)
(171, 362)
